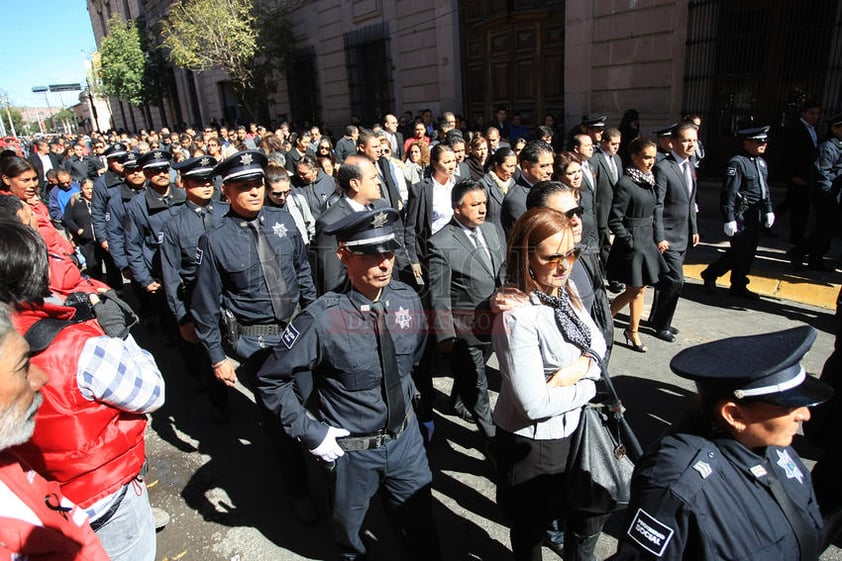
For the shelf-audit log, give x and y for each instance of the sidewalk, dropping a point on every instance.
(772, 274)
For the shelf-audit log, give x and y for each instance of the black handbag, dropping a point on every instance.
(602, 454)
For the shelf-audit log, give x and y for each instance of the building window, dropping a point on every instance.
(303, 86)
(369, 72)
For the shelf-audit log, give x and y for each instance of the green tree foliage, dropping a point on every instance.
(248, 39)
(123, 61)
(17, 119)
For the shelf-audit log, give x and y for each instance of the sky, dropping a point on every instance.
(47, 42)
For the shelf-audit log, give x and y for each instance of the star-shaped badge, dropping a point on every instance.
(402, 318)
(245, 159)
(789, 466)
(380, 220)
(157, 155)
(204, 162)
(280, 230)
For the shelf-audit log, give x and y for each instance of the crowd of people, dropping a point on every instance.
(282, 259)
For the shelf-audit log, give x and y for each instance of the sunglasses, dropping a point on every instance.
(555, 259)
(575, 211)
(279, 193)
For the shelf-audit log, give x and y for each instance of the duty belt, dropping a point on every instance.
(376, 440)
(260, 330)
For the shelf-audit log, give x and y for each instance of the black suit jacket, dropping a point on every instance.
(587, 200)
(514, 204)
(461, 282)
(675, 209)
(799, 151)
(604, 185)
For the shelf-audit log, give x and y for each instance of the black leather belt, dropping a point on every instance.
(376, 440)
(260, 330)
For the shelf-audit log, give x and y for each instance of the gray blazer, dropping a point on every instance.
(461, 283)
(676, 207)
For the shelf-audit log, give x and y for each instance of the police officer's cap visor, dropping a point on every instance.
(375, 249)
(811, 392)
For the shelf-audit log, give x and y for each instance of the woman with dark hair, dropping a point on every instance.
(300, 148)
(549, 352)
(429, 206)
(20, 179)
(629, 130)
(634, 258)
(24, 267)
(500, 176)
(478, 156)
(416, 160)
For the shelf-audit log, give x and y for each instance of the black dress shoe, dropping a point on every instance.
(744, 293)
(616, 287)
(709, 284)
(665, 335)
(674, 330)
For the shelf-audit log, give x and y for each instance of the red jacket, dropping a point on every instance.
(90, 448)
(55, 534)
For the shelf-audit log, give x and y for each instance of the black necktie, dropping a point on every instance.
(386, 170)
(272, 274)
(392, 387)
(207, 219)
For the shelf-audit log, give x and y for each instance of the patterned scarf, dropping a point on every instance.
(571, 325)
(640, 177)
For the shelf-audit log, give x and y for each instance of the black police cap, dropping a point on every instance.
(131, 163)
(201, 167)
(594, 121)
(764, 367)
(755, 133)
(368, 231)
(667, 131)
(117, 150)
(241, 166)
(835, 120)
(154, 159)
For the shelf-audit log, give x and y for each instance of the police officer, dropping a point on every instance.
(144, 232)
(118, 198)
(365, 428)
(115, 155)
(179, 263)
(725, 483)
(746, 205)
(824, 191)
(253, 275)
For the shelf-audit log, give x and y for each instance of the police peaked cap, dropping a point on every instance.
(242, 166)
(594, 121)
(756, 133)
(368, 231)
(764, 367)
(154, 159)
(201, 167)
(665, 131)
(116, 150)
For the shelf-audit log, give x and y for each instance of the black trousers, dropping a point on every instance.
(668, 290)
(740, 256)
(797, 201)
(817, 244)
(467, 364)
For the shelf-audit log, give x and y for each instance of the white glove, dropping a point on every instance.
(770, 219)
(329, 450)
(730, 228)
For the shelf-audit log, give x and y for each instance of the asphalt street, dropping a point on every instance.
(221, 486)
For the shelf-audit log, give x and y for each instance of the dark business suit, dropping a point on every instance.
(675, 222)
(605, 182)
(390, 189)
(494, 206)
(514, 204)
(461, 282)
(419, 220)
(587, 200)
(800, 153)
(39, 167)
(328, 271)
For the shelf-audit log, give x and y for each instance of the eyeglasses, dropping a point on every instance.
(575, 211)
(556, 259)
(279, 193)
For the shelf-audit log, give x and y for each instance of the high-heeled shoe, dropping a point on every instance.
(633, 341)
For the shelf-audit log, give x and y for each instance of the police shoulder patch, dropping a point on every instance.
(108, 217)
(290, 336)
(199, 255)
(730, 171)
(650, 533)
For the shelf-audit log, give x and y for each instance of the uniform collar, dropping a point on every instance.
(744, 459)
(362, 304)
